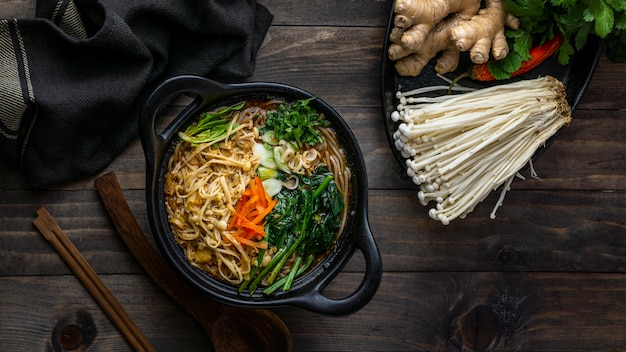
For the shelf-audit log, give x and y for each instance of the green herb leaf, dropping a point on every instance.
(602, 15)
(296, 122)
(615, 48)
(564, 3)
(620, 21)
(576, 19)
(303, 220)
(512, 62)
(580, 38)
(618, 5)
(495, 67)
(564, 53)
(523, 42)
(526, 8)
(211, 126)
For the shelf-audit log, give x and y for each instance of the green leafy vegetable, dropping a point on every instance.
(576, 19)
(304, 221)
(211, 126)
(295, 122)
(615, 48)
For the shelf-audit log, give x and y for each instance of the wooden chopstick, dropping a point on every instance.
(85, 273)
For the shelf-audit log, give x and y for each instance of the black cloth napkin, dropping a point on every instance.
(73, 79)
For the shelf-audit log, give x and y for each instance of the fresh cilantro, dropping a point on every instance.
(601, 15)
(497, 70)
(615, 49)
(296, 122)
(564, 3)
(526, 8)
(576, 19)
(522, 43)
(565, 52)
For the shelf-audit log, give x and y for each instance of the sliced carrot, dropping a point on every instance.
(256, 244)
(233, 220)
(264, 211)
(249, 205)
(245, 223)
(254, 205)
(261, 192)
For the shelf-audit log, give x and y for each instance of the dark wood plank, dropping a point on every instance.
(343, 59)
(426, 312)
(35, 308)
(81, 215)
(412, 311)
(340, 65)
(535, 230)
(329, 13)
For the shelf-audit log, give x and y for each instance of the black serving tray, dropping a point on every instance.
(575, 76)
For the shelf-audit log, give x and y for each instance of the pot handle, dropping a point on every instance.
(315, 301)
(155, 142)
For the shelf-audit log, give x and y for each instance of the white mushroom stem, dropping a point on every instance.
(461, 147)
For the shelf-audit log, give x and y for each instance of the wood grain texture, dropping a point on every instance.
(413, 311)
(33, 306)
(536, 230)
(362, 13)
(549, 272)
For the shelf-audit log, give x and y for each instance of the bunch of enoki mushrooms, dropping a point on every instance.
(460, 147)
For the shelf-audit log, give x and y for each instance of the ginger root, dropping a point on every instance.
(411, 62)
(485, 31)
(420, 17)
(425, 28)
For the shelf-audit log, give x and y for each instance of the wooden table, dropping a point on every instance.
(548, 274)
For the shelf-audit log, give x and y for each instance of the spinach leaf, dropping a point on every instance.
(283, 221)
(295, 206)
(304, 220)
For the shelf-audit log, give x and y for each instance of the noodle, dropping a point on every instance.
(202, 187)
(336, 161)
(204, 182)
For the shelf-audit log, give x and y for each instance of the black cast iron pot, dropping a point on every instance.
(306, 291)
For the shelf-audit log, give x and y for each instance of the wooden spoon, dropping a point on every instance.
(229, 328)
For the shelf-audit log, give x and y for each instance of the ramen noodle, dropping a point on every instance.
(206, 181)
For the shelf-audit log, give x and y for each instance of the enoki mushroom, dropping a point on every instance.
(460, 147)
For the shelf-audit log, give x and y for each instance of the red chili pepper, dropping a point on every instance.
(537, 55)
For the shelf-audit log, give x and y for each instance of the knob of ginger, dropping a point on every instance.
(415, 19)
(424, 28)
(411, 62)
(485, 33)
